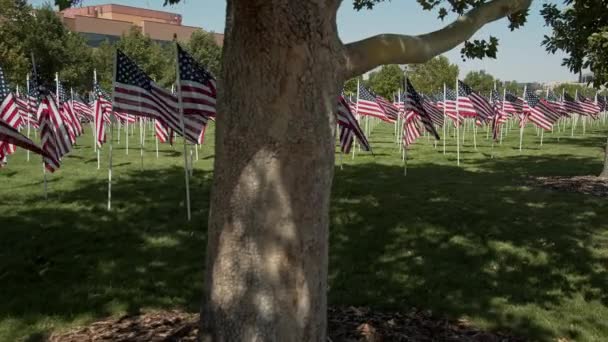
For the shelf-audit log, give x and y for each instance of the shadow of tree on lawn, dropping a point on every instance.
(442, 238)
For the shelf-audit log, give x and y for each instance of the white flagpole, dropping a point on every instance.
(27, 80)
(504, 96)
(156, 140)
(181, 122)
(356, 117)
(445, 118)
(111, 137)
(522, 124)
(127, 135)
(101, 123)
(457, 127)
(141, 143)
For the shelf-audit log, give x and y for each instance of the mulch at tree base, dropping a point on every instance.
(589, 185)
(344, 324)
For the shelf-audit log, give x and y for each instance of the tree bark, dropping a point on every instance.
(267, 253)
(604, 173)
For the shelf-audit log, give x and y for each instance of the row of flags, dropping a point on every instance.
(59, 117)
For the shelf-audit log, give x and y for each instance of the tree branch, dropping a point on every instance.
(384, 49)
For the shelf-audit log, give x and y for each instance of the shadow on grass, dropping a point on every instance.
(480, 244)
(70, 258)
(442, 238)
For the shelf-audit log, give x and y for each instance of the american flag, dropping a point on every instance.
(468, 99)
(135, 93)
(513, 104)
(556, 103)
(410, 128)
(367, 104)
(84, 112)
(349, 127)
(541, 112)
(496, 121)
(67, 112)
(391, 112)
(163, 132)
(125, 118)
(450, 106)
(413, 102)
(9, 110)
(434, 112)
(53, 138)
(571, 105)
(9, 135)
(601, 101)
(102, 107)
(398, 104)
(589, 106)
(198, 86)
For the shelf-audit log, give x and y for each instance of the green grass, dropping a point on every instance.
(474, 241)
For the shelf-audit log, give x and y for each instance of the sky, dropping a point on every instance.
(520, 56)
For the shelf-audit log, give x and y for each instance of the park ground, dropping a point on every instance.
(479, 242)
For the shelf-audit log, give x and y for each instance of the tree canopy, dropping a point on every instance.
(481, 81)
(430, 77)
(386, 81)
(40, 32)
(580, 29)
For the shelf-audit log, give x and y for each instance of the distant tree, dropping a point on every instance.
(13, 54)
(104, 64)
(581, 30)
(147, 53)
(480, 81)
(572, 89)
(41, 33)
(350, 86)
(430, 77)
(513, 87)
(204, 49)
(386, 81)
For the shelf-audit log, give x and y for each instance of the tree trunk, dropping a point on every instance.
(604, 173)
(267, 254)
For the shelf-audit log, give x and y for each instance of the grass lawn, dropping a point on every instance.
(474, 242)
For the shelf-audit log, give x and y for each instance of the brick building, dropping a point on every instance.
(101, 22)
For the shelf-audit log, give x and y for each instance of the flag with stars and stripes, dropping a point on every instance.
(434, 112)
(84, 112)
(10, 136)
(102, 108)
(367, 104)
(467, 99)
(512, 104)
(601, 101)
(555, 102)
(67, 112)
(499, 115)
(54, 138)
(449, 106)
(349, 127)
(541, 113)
(390, 111)
(135, 93)
(413, 102)
(571, 105)
(589, 106)
(411, 131)
(198, 86)
(163, 132)
(9, 110)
